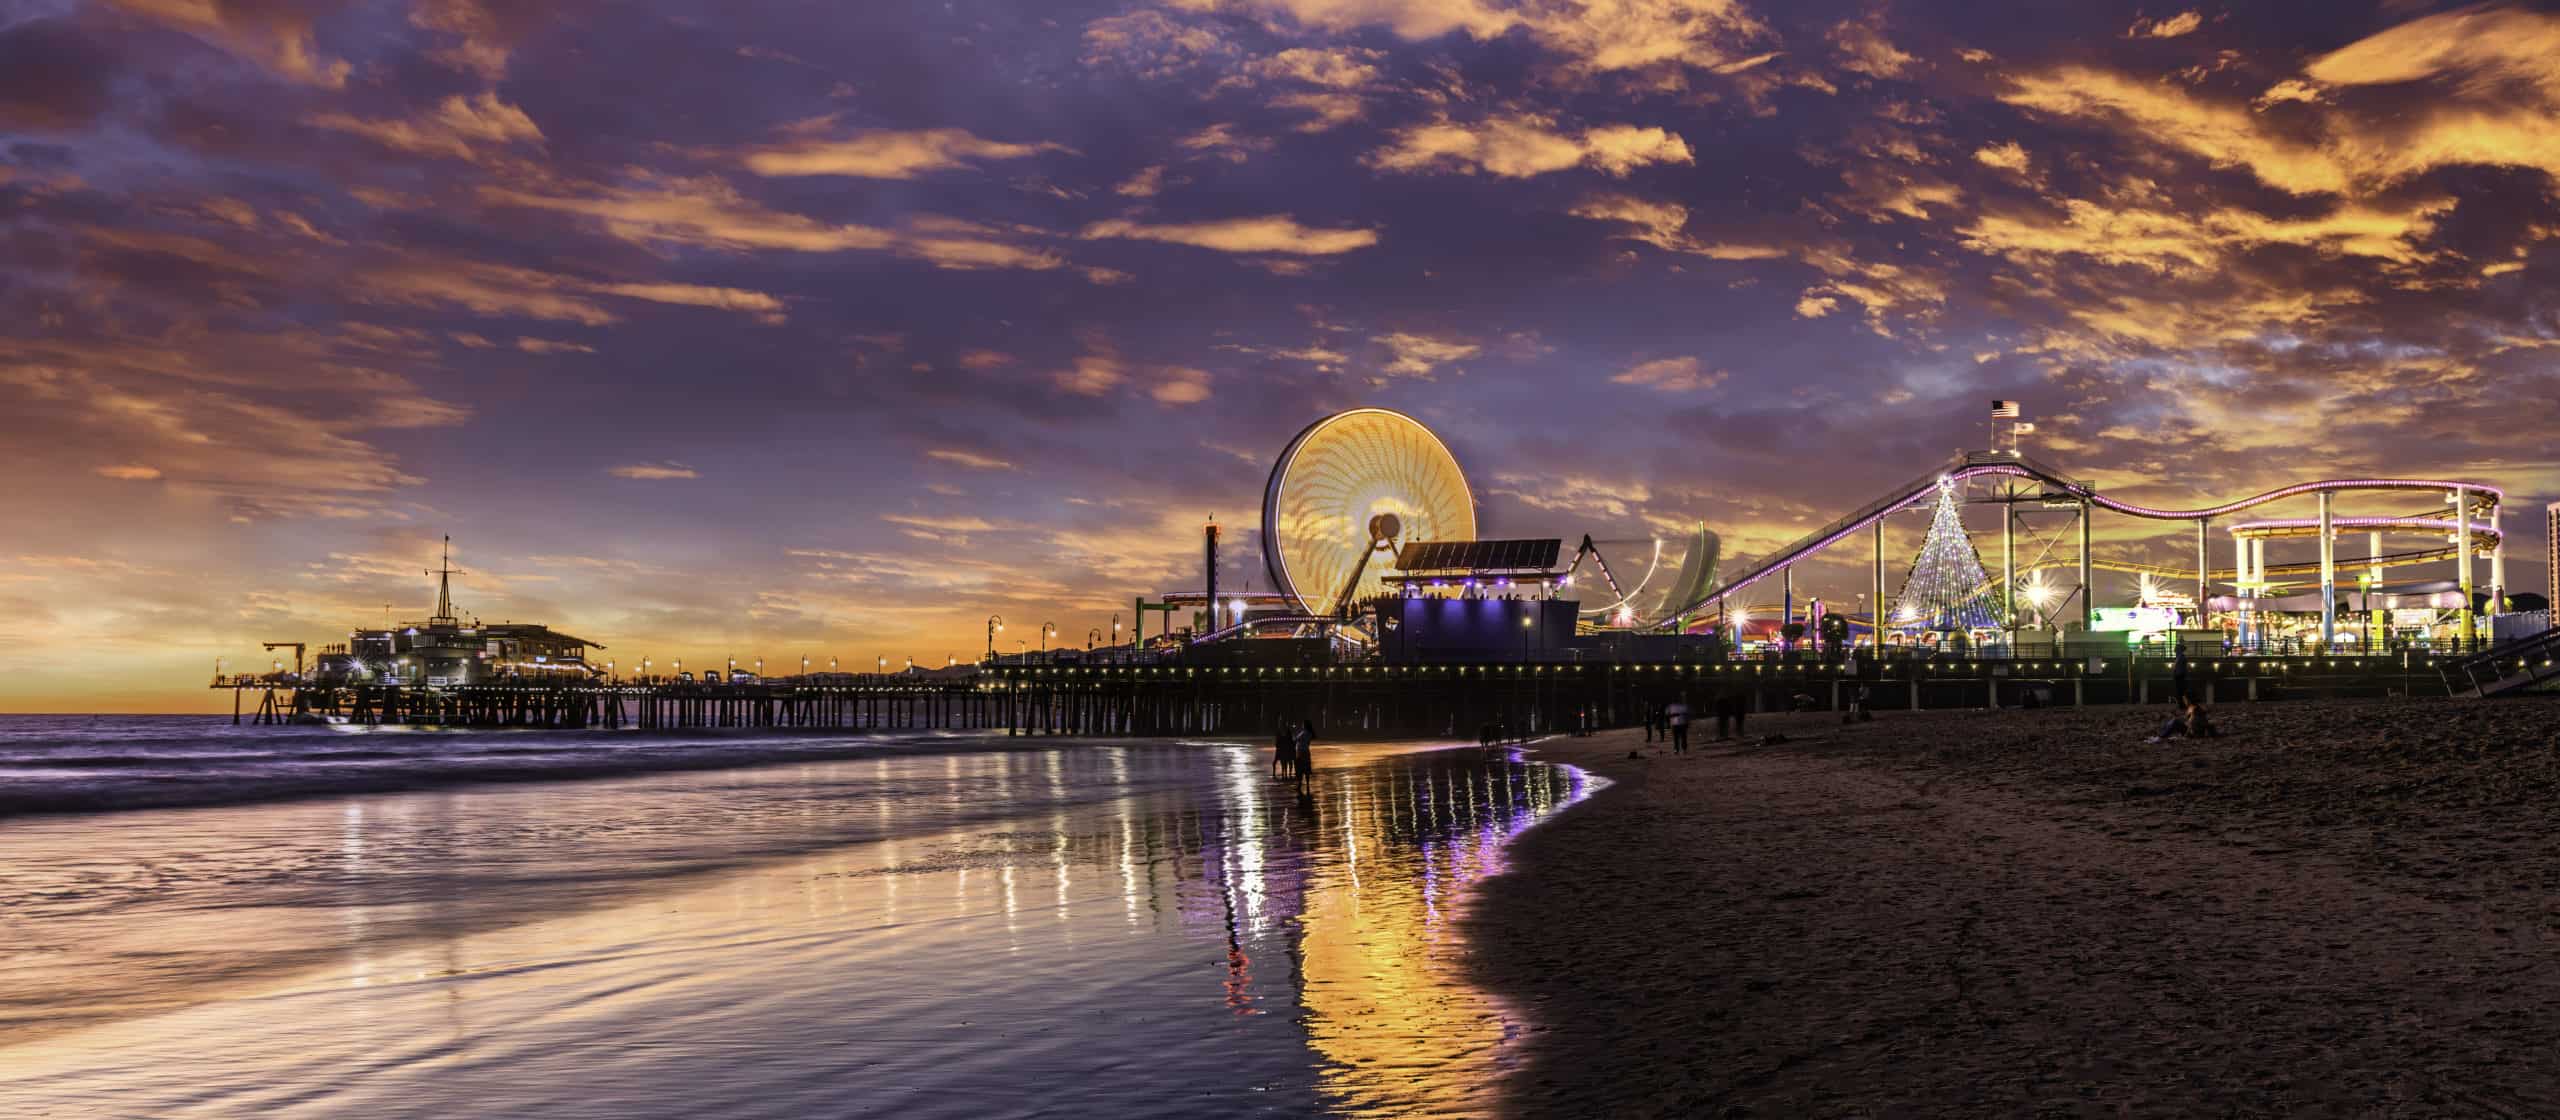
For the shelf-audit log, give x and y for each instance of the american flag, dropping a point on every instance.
(2004, 410)
(2024, 429)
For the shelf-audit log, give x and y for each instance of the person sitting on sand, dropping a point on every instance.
(2190, 721)
(2200, 726)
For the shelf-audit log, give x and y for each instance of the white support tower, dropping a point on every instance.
(2462, 550)
(2328, 577)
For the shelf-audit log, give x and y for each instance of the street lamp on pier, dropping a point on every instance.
(995, 624)
(1092, 638)
(1115, 628)
(1048, 630)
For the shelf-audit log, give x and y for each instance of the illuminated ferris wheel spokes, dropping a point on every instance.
(1347, 487)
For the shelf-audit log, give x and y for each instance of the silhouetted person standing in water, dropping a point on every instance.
(1284, 752)
(1306, 760)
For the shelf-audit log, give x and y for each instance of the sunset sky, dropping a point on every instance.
(831, 328)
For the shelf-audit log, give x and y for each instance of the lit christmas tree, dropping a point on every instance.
(1947, 588)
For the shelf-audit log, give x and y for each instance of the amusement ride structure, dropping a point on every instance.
(2462, 523)
(1369, 525)
(1368, 507)
(1345, 496)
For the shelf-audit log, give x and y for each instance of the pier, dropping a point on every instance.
(1344, 701)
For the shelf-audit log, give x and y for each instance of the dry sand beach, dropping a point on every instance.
(2341, 908)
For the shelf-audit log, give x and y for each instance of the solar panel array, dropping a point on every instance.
(1479, 556)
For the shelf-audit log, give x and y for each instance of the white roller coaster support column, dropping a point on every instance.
(2328, 578)
(2009, 566)
(2088, 600)
(1786, 599)
(2258, 565)
(2497, 569)
(2374, 631)
(1875, 606)
(2462, 550)
(2240, 579)
(2204, 576)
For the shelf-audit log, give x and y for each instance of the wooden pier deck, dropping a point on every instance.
(1344, 701)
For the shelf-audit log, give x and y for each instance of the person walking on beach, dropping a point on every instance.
(2178, 675)
(1284, 753)
(1652, 719)
(1306, 760)
(1676, 714)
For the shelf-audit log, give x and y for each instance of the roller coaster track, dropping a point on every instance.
(2228, 575)
(2063, 488)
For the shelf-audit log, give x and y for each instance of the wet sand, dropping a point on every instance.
(966, 930)
(2341, 908)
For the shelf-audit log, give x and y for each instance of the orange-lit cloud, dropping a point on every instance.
(2226, 136)
(1521, 145)
(1275, 233)
(1664, 225)
(970, 459)
(711, 213)
(1180, 385)
(2169, 27)
(1417, 355)
(278, 36)
(884, 154)
(2007, 155)
(1671, 375)
(2169, 240)
(453, 129)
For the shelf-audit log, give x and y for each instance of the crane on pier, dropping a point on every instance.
(296, 647)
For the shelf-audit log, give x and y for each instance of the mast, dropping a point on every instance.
(444, 574)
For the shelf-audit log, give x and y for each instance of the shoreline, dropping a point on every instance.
(2342, 907)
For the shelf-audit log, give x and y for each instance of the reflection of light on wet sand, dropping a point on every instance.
(897, 975)
(1390, 1010)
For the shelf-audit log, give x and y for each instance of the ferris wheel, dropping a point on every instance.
(1350, 487)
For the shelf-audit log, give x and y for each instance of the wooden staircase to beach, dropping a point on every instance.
(2530, 664)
